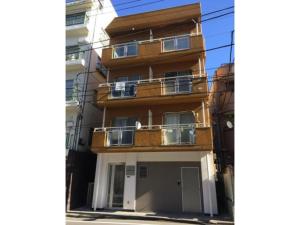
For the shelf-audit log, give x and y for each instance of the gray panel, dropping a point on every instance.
(190, 190)
(160, 190)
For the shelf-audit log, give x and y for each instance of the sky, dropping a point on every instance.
(217, 32)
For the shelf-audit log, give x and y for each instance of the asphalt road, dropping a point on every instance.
(88, 221)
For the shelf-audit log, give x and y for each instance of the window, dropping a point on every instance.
(125, 50)
(67, 140)
(178, 128)
(125, 86)
(69, 90)
(122, 132)
(143, 171)
(74, 19)
(180, 83)
(73, 53)
(176, 43)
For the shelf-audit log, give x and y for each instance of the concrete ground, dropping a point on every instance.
(88, 221)
(146, 218)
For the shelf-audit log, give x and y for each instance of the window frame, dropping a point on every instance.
(175, 38)
(75, 17)
(125, 46)
(176, 79)
(72, 90)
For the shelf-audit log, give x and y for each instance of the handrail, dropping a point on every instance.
(153, 40)
(195, 76)
(153, 127)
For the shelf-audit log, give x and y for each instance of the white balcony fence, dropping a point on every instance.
(175, 134)
(120, 136)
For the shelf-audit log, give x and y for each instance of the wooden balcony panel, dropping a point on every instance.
(102, 94)
(98, 140)
(149, 138)
(199, 87)
(152, 93)
(149, 89)
(203, 137)
(151, 141)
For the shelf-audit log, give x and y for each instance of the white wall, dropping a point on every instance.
(98, 21)
(104, 159)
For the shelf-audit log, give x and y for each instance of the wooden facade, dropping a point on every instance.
(151, 62)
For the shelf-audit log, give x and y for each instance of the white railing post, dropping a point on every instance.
(103, 117)
(149, 119)
(200, 67)
(150, 73)
(203, 114)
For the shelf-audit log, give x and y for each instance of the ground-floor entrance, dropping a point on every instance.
(168, 187)
(116, 177)
(179, 182)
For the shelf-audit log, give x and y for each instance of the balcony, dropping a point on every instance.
(183, 137)
(179, 89)
(75, 61)
(72, 5)
(76, 24)
(170, 49)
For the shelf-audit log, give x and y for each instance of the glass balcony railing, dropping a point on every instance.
(120, 136)
(178, 134)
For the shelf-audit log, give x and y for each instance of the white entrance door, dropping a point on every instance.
(190, 184)
(116, 177)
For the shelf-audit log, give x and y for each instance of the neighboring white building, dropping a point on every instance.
(85, 24)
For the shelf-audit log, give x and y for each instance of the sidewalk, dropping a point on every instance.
(183, 218)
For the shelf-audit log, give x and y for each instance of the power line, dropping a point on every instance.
(155, 115)
(133, 33)
(160, 76)
(221, 79)
(115, 11)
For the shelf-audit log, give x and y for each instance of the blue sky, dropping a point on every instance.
(217, 32)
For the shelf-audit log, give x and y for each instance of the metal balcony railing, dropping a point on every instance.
(172, 134)
(171, 85)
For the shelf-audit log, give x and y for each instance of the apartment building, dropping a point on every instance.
(85, 37)
(85, 24)
(154, 148)
(221, 103)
